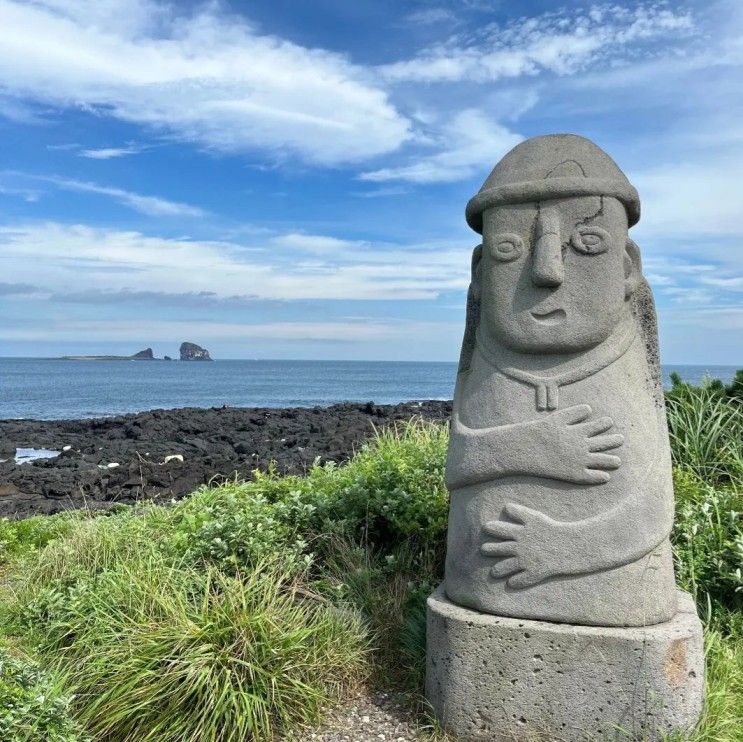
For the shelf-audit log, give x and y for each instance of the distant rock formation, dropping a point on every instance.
(193, 352)
(167, 358)
(144, 355)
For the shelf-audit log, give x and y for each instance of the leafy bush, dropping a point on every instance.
(708, 544)
(395, 487)
(18, 537)
(32, 707)
(235, 527)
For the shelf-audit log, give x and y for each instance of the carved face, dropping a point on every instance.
(555, 276)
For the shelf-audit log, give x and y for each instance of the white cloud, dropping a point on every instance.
(729, 283)
(689, 197)
(82, 258)
(689, 295)
(469, 142)
(150, 205)
(431, 16)
(560, 42)
(359, 337)
(108, 153)
(315, 243)
(27, 194)
(208, 77)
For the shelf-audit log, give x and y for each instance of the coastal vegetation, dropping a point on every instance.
(247, 609)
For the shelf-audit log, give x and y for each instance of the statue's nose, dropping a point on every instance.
(547, 266)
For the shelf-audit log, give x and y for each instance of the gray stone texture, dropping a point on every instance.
(505, 679)
(559, 463)
(559, 471)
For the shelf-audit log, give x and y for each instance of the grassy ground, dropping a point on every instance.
(245, 610)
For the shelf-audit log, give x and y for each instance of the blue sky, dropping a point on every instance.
(288, 179)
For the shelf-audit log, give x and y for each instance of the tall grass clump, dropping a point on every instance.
(154, 648)
(162, 653)
(705, 424)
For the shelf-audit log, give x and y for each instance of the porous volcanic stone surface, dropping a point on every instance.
(496, 679)
(217, 442)
(559, 462)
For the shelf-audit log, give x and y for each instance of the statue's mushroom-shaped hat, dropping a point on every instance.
(554, 166)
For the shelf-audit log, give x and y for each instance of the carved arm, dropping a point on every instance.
(562, 445)
(534, 546)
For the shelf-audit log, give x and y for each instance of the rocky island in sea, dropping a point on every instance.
(188, 352)
(193, 352)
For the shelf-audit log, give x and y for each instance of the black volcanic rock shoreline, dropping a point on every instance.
(125, 458)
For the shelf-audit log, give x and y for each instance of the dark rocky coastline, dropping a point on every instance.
(123, 459)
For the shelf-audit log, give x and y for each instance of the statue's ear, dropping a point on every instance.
(475, 276)
(632, 268)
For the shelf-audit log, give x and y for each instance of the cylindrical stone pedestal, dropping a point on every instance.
(505, 679)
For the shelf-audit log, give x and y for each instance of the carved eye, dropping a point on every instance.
(506, 247)
(591, 240)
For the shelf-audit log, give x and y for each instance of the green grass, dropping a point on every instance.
(33, 704)
(247, 609)
(705, 424)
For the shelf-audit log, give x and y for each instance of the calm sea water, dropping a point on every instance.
(47, 389)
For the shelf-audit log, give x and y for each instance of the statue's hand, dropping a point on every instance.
(529, 550)
(566, 445)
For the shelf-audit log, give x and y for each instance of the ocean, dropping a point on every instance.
(53, 389)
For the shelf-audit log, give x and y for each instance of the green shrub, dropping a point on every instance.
(708, 544)
(19, 537)
(32, 706)
(235, 527)
(242, 610)
(394, 487)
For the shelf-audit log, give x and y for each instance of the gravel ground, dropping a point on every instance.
(374, 717)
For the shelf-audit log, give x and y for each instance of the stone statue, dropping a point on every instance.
(559, 464)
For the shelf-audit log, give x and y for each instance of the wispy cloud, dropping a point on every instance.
(465, 142)
(30, 195)
(17, 289)
(561, 42)
(144, 204)
(54, 255)
(150, 205)
(431, 16)
(316, 243)
(359, 331)
(205, 76)
(109, 153)
(692, 197)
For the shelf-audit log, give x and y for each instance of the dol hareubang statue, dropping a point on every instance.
(559, 462)
(559, 617)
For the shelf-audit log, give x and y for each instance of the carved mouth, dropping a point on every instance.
(551, 317)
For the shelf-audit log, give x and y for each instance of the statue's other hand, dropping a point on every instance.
(528, 547)
(571, 447)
